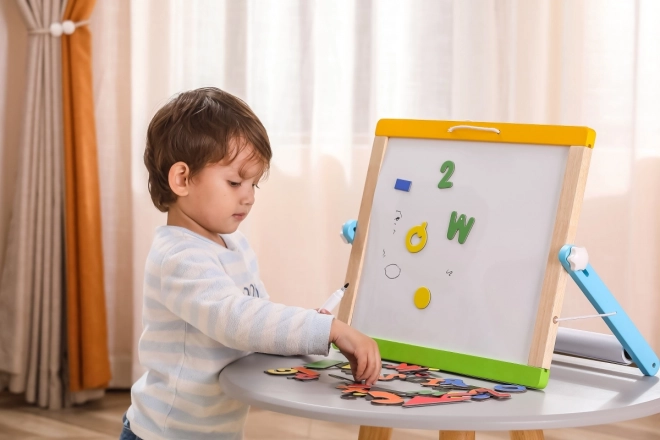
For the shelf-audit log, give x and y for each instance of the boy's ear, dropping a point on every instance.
(179, 179)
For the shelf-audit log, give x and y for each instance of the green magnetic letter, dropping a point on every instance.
(447, 167)
(458, 225)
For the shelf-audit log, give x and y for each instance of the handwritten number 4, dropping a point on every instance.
(447, 169)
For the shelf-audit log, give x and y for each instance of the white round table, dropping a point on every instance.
(580, 392)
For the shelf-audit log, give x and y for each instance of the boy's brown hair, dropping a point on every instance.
(196, 127)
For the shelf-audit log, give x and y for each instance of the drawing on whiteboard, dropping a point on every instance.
(396, 219)
(392, 271)
(449, 272)
(383, 253)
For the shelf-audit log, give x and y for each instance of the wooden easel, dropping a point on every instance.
(553, 286)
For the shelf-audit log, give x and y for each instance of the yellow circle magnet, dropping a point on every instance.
(422, 298)
(420, 231)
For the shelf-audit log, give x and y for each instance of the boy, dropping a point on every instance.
(204, 304)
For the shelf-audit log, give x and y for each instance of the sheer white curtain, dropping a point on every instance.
(110, 23)
(320, 74)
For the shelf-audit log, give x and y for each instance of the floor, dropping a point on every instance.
(101, 420)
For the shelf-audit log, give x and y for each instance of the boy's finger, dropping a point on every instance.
(366, 374)
(376, 366)
(361, 367)
(373, 376)
(379, 361)
(353, 365)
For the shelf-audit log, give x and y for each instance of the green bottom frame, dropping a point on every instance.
(465, 364)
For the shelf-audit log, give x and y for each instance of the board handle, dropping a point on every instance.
(473, 127)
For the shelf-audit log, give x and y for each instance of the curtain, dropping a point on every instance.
(112, 98)
(88, 359)
(320, 74)
(618, 94)
(13, 59)
(53, 347)
(31, 286)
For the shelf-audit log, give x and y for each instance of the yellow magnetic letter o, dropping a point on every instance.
(420, 231)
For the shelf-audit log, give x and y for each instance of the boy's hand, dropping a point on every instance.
(360, 350)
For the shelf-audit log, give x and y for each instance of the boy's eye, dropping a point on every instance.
(234, 183)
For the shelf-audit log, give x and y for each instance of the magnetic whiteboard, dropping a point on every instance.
(455, 258)
(484, 292)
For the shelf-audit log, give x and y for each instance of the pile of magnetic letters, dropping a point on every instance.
(435, 390)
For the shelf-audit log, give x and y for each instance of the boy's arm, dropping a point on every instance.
(195, 288)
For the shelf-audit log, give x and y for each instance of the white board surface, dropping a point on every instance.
(485, 292)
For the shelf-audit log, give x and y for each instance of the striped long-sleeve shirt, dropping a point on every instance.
(205, 307)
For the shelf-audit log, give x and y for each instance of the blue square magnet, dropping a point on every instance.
(402, 185)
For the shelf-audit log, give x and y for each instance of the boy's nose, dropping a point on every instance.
(249, 198)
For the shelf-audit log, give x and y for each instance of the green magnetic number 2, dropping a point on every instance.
(448, 167)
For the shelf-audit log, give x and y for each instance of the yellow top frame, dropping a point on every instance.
(567, 136)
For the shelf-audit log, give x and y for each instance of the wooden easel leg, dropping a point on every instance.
(456, 435)
(526, 435)
(374, 433)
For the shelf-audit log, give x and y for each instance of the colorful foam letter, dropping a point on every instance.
(420, 231)
(458, 224)
(427, 401)
(385, 398)
(282, 371)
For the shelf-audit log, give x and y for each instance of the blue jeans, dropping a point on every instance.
(126, 433)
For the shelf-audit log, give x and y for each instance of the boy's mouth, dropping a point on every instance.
(240, 216)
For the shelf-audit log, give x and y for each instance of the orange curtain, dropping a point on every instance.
(88, 359)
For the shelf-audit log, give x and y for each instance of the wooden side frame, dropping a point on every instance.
(554, 282)
(356, 259)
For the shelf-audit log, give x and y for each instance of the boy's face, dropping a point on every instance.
(218, 198)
